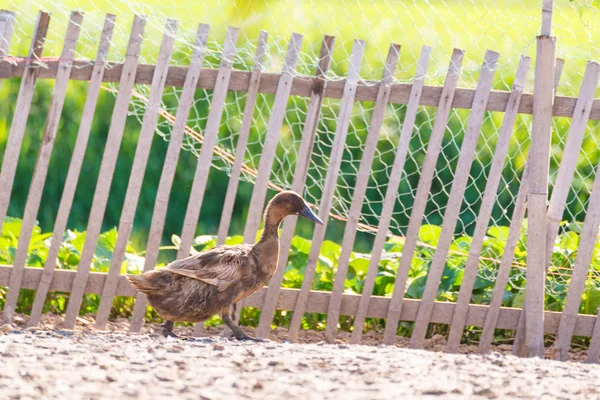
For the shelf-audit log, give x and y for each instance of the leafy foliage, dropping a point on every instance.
(564, 255)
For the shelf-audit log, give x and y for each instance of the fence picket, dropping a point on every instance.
(487, 204)
(514, 234)
(465, 159)
(391, 194)
(22, 108)
(593, 354)
(585, 252)
(304, 152)
(138, 169)
(564, 177)
(202, 167)
(7, 20)
(418, 210)
(335, 160)
(284, 89)
(107, 168)
(40, 172)
(259, 192)
(170, 165)
(240, 151)
(68, 194)
(211, 132)
(358, 196)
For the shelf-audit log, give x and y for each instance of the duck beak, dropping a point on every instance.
(308, 214)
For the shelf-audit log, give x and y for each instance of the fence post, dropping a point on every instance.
(538, 188)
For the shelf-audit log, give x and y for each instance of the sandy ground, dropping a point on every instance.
(53, 364)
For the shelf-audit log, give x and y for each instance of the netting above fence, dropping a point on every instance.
(508, 26)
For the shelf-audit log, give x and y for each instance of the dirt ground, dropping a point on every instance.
(83, 364)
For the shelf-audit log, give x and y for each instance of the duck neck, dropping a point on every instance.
(272, 221)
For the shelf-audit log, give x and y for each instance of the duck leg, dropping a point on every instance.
(237, 331)
(168, 329)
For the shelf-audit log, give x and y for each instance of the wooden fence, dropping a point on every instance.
(532, 193)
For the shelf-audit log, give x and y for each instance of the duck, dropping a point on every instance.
(211, 282)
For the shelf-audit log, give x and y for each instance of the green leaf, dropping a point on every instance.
(416, 287)
(430, 234)
(301, 245)
(499, 232)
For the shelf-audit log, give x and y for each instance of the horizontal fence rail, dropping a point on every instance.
(283, 87)
(564, 106)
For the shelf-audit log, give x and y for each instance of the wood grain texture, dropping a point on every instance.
(423, 188)
(138, 169)
(107, 168)
(210, 138)
(538, 195)
(485, 211)
(38, 180)
(74, 171)
(391, 194)
(593, 355)
(309, 132)
(455, 199)
(240, 81)
(335, 160)
(518, 344)
(317, 302)
(284, 88)
(7, 25)
(240, 151)
(360, 190)
(22, 108)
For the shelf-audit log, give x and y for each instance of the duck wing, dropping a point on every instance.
(220, 266)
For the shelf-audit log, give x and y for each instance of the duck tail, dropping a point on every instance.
(141, 284)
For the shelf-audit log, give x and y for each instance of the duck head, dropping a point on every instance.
(284, 204)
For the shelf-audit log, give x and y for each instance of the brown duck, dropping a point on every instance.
(211, 282)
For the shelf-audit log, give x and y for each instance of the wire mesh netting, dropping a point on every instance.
(506, 26)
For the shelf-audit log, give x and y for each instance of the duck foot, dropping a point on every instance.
(246, 337)
(238, 332)
(168, 329)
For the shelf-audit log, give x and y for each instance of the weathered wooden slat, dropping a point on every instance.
(563, 182)
(593, 355)
(17, 127)
(240, 150)
(302, 163)
(68, 194)
(465, 159)
(7, 21)
(202, 168)
(487, 204)
(40, 172)
(360, 190)
(335, 160)
(267, 156)
(210, 139)
(514, 234)
(423, 187)
(585, 252)
(558, 204)
(538, 196)
(170, 165)
(391, 194)
(140, 161)
(301, 86)
(317, 302)
(107, 168)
